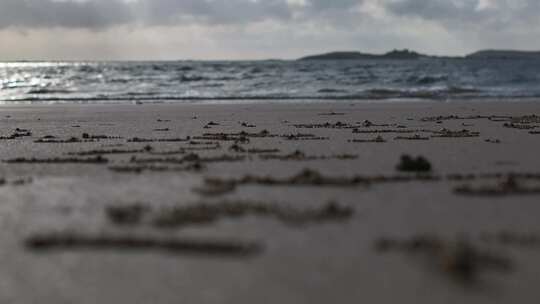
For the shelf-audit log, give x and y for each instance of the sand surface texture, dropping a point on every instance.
(302, 203)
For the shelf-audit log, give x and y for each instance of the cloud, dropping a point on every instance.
(257, 29)
(484, 14)
(100, 14)
(69, 14)
(435, 9)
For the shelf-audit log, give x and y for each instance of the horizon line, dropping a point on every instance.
(264, 59)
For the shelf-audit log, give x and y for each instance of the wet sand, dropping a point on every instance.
(383, 202)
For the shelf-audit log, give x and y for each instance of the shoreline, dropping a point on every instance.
(269, 101)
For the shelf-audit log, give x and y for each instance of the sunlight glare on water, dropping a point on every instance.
(177, 81)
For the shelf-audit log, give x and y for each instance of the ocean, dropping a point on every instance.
(273, 80)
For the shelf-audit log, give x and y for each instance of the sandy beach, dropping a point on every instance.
(270, 203)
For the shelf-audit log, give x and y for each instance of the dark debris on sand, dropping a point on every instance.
(331, 113)
(414, 137)
(247, 125)
(111, 151)
(411, 164)
(301, 136)
(446, 133)
(239, 149)
(126, 215)
(57, 160)
(17, 133)
(215, 189)
(192, 157)
(301, 156)
(526, 119)
(16, 182)
(396, 131)
(87, 136)
(509, 186)
(470, 117)
(309, 177)
(326, 125)
(73, 241)
(378, 139)
(519, 126)
(149, 140)
(209, 213)
(185, 150)
(72, 140)
(139, 169)
(459, 259)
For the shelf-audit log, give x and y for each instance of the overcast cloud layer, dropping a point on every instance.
(212, 29)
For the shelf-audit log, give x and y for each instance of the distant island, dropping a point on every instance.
(504, 54)
(395, 54)
(411, 55)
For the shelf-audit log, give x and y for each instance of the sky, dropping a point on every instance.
(259, 29)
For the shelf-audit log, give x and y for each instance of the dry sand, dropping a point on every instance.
(128, 226)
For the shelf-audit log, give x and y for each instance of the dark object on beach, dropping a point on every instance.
(188, 158)
(185, 150)
(519, 126)
(103, 152)
(217, 189)
(138, 169)
(414, 137)
(18, 133)
(235, 135)
(262, 151)
(446, 133)
(397, 131)
(331, 113)
(378, 139)
(241, 137)
(310, 177)
(326, 125)
(509, 186)
(301, 156)
(17, 182)
(527, 119)
(52, 140)
(418, 164)
(237, 148)
(300, 136)
(71, 241)
(92, 160)
(457, 258)
(210, 213)
(247, 125)
(147, 140)
(126, 215)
